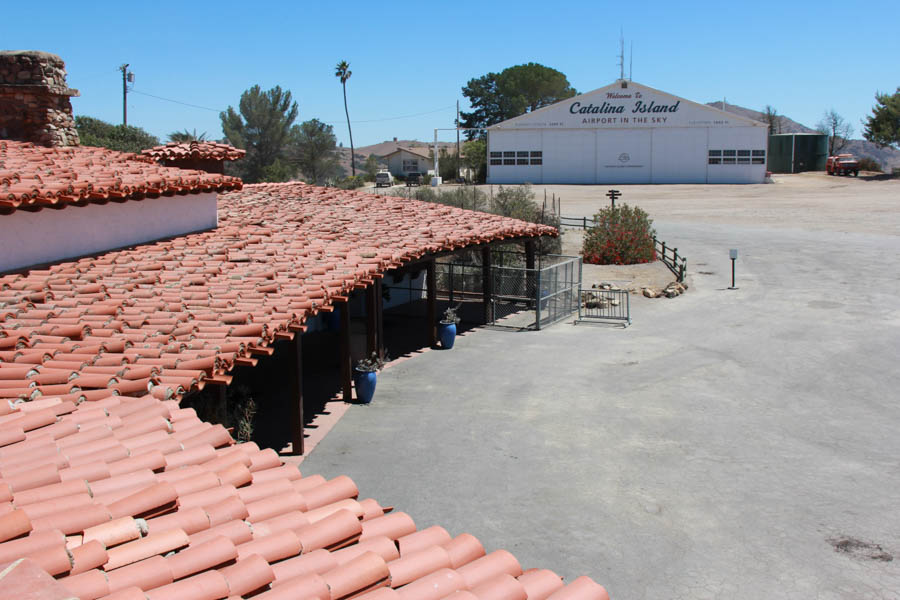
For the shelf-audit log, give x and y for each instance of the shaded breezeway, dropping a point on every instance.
(720, 447)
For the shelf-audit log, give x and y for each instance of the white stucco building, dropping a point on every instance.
(627, 133)
(408, 160)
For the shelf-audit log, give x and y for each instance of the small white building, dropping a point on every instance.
(627, 133)
(408, 160)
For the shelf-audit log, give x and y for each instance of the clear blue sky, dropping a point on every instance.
(412, 59)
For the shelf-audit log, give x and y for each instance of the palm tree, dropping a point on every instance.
(343, 71)
(187, 136)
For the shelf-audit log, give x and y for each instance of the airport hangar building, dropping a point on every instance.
(627, 133)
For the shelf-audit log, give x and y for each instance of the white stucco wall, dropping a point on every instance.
(621, 156)
(625, 133)
(30, 238)
(395, 163)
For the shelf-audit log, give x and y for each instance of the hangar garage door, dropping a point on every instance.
(623, 156)
(569, 156)
(679, 155)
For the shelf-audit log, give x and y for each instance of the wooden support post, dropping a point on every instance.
(379, 318)
(431, 304)
(487, 282)
(346, 374)
(296, 412)
(371, 329)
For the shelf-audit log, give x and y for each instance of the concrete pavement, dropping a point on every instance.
(729, 444)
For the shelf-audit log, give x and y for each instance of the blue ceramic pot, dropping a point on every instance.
(365, 385)
(447, 334)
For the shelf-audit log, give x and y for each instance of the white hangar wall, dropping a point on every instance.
(632, 134)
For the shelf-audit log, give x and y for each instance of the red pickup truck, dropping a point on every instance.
(842, 164)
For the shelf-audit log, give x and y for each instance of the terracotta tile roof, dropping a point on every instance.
(92, 495)
(194, 150)
(34, 177)
(108, 485)
(167, 317)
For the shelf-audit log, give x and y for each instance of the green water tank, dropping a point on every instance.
(797, 152)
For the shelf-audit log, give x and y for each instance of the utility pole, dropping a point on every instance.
(458, 166)
(125, 74)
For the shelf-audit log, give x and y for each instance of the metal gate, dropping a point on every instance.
(603, 306)
(521, 298)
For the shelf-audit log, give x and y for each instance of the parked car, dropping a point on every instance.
(842, 164)
(413, 179)
(384, 179)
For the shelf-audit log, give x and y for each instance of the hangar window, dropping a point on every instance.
(509, 155)
(536, 154)
(537, 161)
(521, 161)
(522, 154)
(496, 155)
(737, 157)
(509, 161)
(497, 161)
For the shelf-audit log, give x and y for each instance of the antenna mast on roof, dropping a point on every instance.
(621, 55)
(630, 61)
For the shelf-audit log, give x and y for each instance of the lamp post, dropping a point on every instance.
(732, 254)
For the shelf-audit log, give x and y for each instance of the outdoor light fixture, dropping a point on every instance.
(732, 254)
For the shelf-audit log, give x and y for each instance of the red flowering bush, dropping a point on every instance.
(620, 236)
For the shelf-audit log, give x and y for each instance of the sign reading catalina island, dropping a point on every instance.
(615, 107)
(639, 107)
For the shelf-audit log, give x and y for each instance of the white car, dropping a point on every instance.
(384, 179)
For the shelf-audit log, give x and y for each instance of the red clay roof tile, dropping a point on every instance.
(151, 323)
(35, 177)
(203, 150)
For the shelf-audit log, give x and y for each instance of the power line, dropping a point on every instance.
(428, 112)
(334, 122)
(134, 91)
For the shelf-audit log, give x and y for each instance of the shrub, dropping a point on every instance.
(350, 182)
(426, 179)
(620, 236)
(517, 202)
(124, 138)
(867, 163)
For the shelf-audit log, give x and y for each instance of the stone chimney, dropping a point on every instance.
(35, 103)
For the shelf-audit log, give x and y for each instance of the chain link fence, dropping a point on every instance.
(521, 298)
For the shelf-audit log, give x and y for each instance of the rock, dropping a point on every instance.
(649, 292)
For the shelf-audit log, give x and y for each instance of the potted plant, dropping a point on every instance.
(365, 375)
(447, 328)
